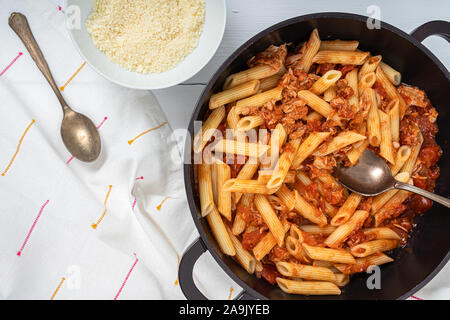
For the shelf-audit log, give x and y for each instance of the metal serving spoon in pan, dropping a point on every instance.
(78, 132)
(372, 176)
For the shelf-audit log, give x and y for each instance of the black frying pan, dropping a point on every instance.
(430, 241)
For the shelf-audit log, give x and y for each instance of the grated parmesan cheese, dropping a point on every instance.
(146, 36)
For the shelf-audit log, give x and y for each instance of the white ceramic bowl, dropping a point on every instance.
(213, 29)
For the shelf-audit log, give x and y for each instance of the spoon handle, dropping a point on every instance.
(19, 23)
(408, 187)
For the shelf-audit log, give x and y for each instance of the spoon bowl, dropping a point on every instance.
(372, 176)
(80, 136)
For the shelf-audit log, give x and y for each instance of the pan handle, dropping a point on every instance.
(185, 278)
(187, 263)
(437, 27)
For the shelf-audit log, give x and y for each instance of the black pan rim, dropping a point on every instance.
(187, 167)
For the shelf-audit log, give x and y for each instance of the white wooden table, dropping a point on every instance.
(245, 18)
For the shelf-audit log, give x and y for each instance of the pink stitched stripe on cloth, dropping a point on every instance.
(417, 298)
(132, 192)
(126, 278)
(32, 227)
(10, 64)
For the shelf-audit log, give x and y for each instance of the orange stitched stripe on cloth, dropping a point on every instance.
(231, 291)
(57, 289)
(178, 263)
(73, 76)
(151, 129)
(94, 225)
(159, 206)
(18, 147)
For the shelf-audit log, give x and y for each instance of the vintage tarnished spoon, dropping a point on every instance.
(372, 176)
(78, 132)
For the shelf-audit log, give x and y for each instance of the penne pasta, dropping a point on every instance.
(249, 149)
(308, 146)
(245, 259)
(339, 45)
(316, 103)
(233, 94)
(341, 279)
(232, 119)
(340, 141)
(394, 118)
(239, 224)
(258, 100)
(386, 148)
(369, 66)
(341, 57)
(381, 199)
(286, 196)
(308, 287)
(266, 244)
(326, 81)
(411, 161)
(382, 233)
(390, 90)
(247, 186)
(393, 75)
(368, 248)
(303, 178)
(309, 211)
(310, 49)
(258, 266)
(270, 218)
(367, 81)
(362, 264)
(294, 247)
(214, 166)
(205, 189)
(296, 233)
(339, 235)
(220, 232)
(373, 118)
(352, 80)
(224, 197)
(269, 82)
(314, 229)
(283, 164)
(208, 128)
(327, 254)
(255, 73)
(265, 175)
(289, 269)
(403, 153)
(386, 211)
(249, 122)
(346, 210)
(247, 172)
(356, 152)
(329, 94)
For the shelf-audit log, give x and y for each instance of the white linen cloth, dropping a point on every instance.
(94, 262)
(48, 203)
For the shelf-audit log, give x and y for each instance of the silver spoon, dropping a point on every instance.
(372, 176)
(78, 132)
